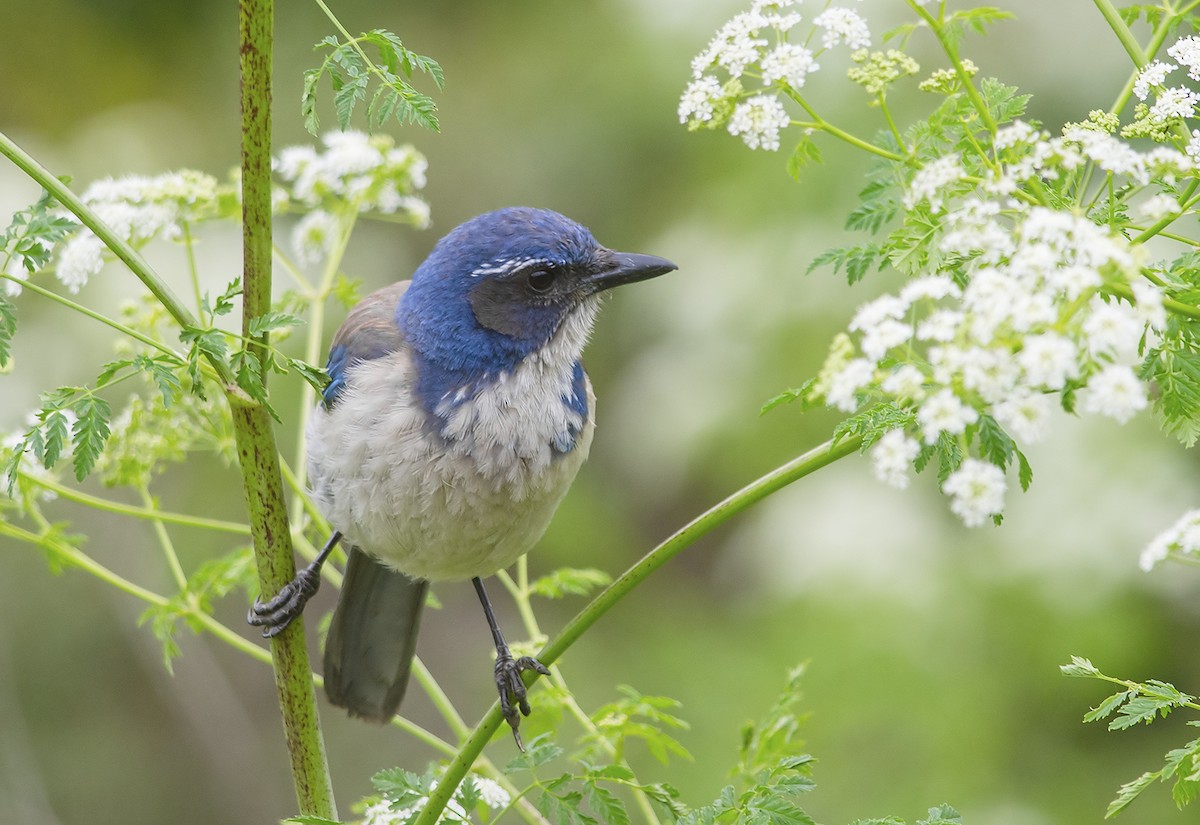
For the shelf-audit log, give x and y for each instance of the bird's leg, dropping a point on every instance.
(277, 613)
(508, 670)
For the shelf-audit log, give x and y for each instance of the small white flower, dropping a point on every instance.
(1115, 392)
(1149, 304)
(1159, 206)
(699, 99)
(789, 63)
(1112, 328)
(1048, 360)
(906, 383)
(942, 326)
(931, 181)
(1182, 537)
(79, 259)
(1187, 52)
(1151, 76)
(494, 796)
(1025, 416)
(1193, 147)
(314, 236)
(849, 380)
(843, 26)
(944, 412)
(883, 336)
(990, 372)
(892, 456)
(976, 491)
(1179, 102)
(738, 45)
(758, 120)
(930, 288)
(875, 312)
(1014, 134)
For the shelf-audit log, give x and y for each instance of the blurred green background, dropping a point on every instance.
(933, 649)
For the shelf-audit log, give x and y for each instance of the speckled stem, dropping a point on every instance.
(253, 427)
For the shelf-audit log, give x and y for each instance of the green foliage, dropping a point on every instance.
(33, 232)
(855, 260)
(212, 580)
(636, 716)
(569, 581)
(873, 422)
(8, 328)
(1174, 366)
(806, 153)
(959, 23)
(1142, 703)
(350, 72)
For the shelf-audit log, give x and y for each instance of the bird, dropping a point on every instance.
(457, 415)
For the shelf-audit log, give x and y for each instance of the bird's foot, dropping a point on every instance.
(275, 614)
(513, 697)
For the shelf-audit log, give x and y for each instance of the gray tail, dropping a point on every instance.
(372, 639)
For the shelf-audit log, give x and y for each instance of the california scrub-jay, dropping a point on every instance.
(457, 416)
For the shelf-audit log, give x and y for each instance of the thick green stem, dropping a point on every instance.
(253, 429)
(1128, 41)
(754, 492)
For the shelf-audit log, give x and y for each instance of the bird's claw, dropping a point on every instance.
(514, 699)
(275, 614)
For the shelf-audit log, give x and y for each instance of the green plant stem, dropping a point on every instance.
(440, 700)
(520, 591)
(754, 492)
(312, 346)
(254, 433)
(117, 245)
(164, 541)
(189, 246)
(95, 316)
(116, 507)
(887, 115)
(289, 266)
(964, 79)
(1111, 16)
(820, 123)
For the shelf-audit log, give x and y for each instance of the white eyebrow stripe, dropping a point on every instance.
(505, 266)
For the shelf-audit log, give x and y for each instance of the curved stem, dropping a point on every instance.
(754, 492)
(819, 122)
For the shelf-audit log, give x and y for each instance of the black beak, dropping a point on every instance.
(627, 268)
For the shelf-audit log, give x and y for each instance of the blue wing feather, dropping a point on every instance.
(369, 331)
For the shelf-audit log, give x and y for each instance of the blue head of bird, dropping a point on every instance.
(505, 285)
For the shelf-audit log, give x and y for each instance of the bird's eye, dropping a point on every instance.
(540, 280)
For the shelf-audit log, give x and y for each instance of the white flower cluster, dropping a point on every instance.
(490, 793)
(754, 44)
(1027, 321)
(1181, 539)
(138, 209)
(366, 173)
(1175, 102)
